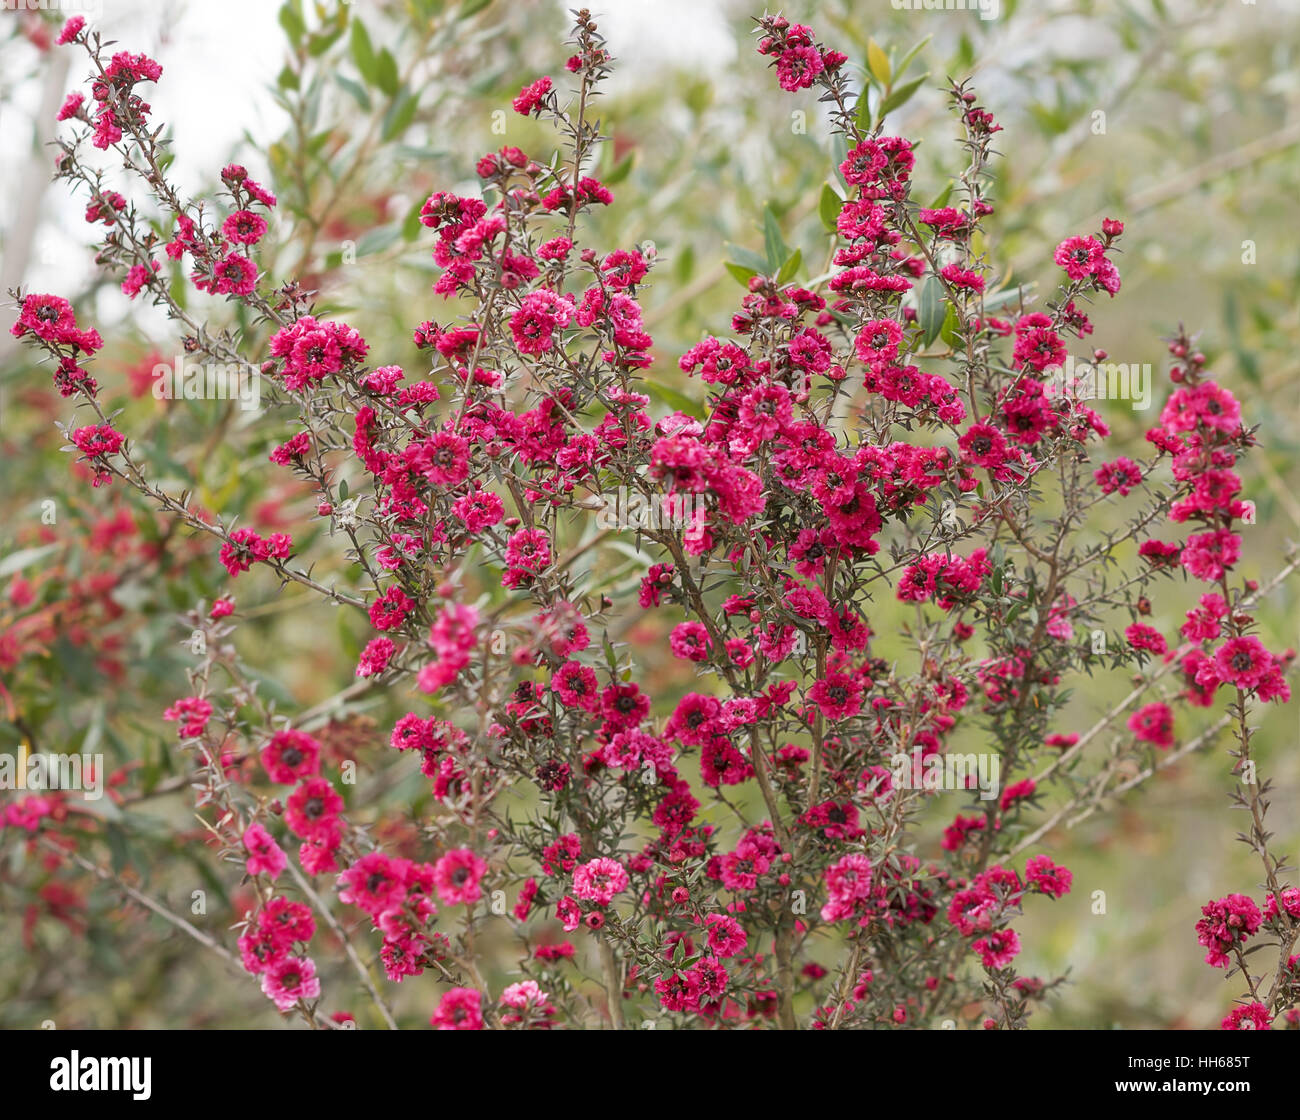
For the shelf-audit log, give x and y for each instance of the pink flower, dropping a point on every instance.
(690, 641)
(531, 96)
(290, 980)
(1154, 724)
(459, 1010)
(535, 322)
(1243, 662)
(375, 657)
(192, 713)
(599, 880)
(1252, 1016)
(726, 936)
(1208, 555)
(1043, 875)
(457, 876)
(265, 856)
(1227, 923)
(839, 696)
(291, 756)
(1081, 257)
(998, 949)
(1141, 636)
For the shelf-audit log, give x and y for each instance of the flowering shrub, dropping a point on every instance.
(756, 851)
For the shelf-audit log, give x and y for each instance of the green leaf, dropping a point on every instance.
(117, 848)
(862, 112)
(363, 53)
(411, 224)
(878, 63)
(386, 73)
(320, 42)
(773, 243)
(740, 272)
(901, 95)
(17, 561)
(949, 334)
(931, 311)
(941, 199)
(292, 23)
(400, 114)
(828, 207)
(1007, 295)
(747, 258)
(674, 399)
(911, 55)
(471, 8)
(377, 240)
(288, 79)
(620, 170)
(684, 267)
(357, 90)
(791, 266)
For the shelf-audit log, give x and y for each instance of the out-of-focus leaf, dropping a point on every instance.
(908, 58)
(878, 62)
(386, 72)
(948, 334)
(357, 90)
(740, 272)
(17, 561)
(747, 258)
(829, 206)
(931, 310)
(291, 21)
(901, 95)
(789, 269)
(620, 170)
(773, 242)
(674, 399)
(363, 53)
(400, 114)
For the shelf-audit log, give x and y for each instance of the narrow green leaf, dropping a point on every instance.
(386, 72)
(363, 53)
(931, 311)
(910, 56)
(901, 95)
(790, 268)
(400, 114)
(747, 258)
(620, 170)
(357, 90)
(773, 242)
(740, 272)
(878, 62)
(292, 23)
(828, 207)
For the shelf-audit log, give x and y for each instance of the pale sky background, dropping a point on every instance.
(219, 59)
